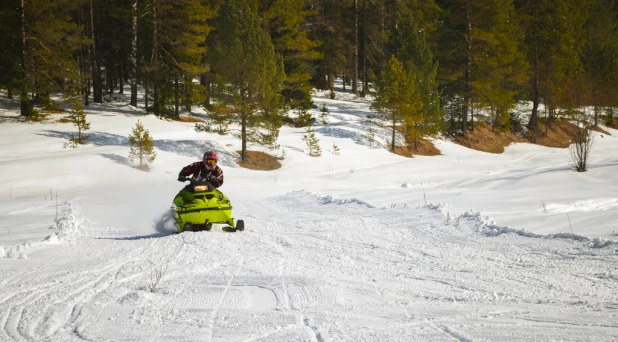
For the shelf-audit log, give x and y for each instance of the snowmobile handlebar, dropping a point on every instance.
(193, 180)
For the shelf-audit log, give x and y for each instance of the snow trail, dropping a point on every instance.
(313, 267)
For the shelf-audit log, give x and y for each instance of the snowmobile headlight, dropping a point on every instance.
(200, 188)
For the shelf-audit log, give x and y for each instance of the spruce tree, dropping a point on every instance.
(141, 146)
(248, 70)
(397, 99)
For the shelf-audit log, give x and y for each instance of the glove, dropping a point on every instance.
(182, 178)
(213, 179)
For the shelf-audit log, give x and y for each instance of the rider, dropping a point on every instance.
(207, 169)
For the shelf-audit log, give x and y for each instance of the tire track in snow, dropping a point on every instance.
(215, 312)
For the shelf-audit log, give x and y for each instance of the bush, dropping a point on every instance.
(580, 149)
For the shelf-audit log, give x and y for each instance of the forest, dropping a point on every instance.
(431, 64)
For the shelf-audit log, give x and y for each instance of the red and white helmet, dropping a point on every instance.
(210, 160)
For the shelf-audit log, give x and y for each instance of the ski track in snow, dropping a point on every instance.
(314, 268)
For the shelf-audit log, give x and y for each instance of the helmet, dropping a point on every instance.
(210, 159)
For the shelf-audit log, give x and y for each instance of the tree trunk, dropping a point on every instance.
(96, 73)
(24, 71)
(176, 96)
(146, 91)
(204, 82)
(243, 136)
(533, 124)
(394, 128)
(466, 97)
(186, 93)
(355, 74)
(121, 75)
(155, 58)
(134, 58)
(331, 80)
(364, 50)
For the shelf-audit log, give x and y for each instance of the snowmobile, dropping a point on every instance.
(199, 205)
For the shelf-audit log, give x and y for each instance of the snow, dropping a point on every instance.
(361, 246)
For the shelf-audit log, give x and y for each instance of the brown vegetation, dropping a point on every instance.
(485, 138)
(599, 129)
(260, 161)
(423, 148)
(189, 119)
(558, 134)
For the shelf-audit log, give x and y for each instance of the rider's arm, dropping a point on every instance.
(189, 169)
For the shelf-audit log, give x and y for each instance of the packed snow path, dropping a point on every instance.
(311, 268)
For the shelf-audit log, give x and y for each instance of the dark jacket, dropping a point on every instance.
(199, 171)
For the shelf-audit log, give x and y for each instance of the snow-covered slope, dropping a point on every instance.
(361, 246)
(312, 268)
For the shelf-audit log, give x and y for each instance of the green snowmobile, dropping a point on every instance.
(200, 205)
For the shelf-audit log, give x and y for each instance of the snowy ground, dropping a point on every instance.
(361, 246)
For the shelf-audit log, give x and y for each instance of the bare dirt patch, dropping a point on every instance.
(260, 161)
(189, 119)
(599, 129)
(423, 148)
(558, 134)
(484, 138)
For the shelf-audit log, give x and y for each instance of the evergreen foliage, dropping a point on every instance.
(397, 99)
(313, 143)
(77, 116)
(324, 114)
(141, 146)
(252, 60)
(336, 149)
(408, 43)
(249, 72)
(284, 20)
(371, 134)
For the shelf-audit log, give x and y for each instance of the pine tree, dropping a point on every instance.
(408, 43)
(77, 116)
(48, 40)
(480, 55)
(552, 31)
(324, 114)
(313, 143)
(141, 146)
(10, 46)
(248, 71)
(285, 21)
(371, 134)
(397, 98)
(336, 149)
(181, 31)
(600, 55)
